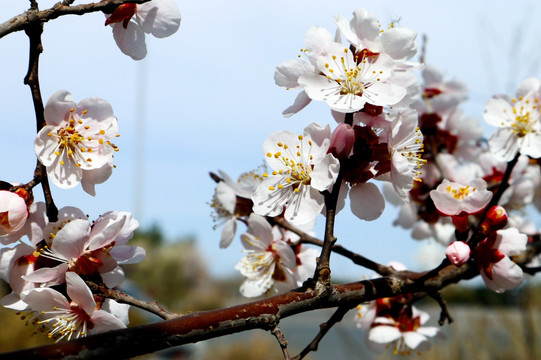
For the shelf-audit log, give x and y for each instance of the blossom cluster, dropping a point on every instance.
(395, 132)
(62, 255)
(49, 255)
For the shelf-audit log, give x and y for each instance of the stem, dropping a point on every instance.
(34, 31)
(124, 298)
(323, 271)
(323, 330)
(279, 335)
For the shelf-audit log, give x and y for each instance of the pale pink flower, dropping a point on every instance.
(519, 122)
(492, 256)
(270, 262)
(70, 318)
(79, 247)
(76, 143)
(287, 74)
(405, 332)
(451, 198)
(458, 253)
(405, 142)
(301, 169)
(161, 18)
(389, 320)
(232, 200)
(364, 32)
(348, 80)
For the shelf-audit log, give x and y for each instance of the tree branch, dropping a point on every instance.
(32, 16)
(354, 257)
(34, 31)
(124, 298)
(323, 329)
(262, 314)
(279, 335)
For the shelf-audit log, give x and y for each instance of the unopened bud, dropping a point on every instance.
(342, 141)
(13, 211)
(458, 253)
(496, 219)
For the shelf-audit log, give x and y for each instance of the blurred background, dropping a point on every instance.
(205, 99)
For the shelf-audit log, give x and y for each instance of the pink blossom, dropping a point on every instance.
(493, 254)
(458, 253)
(342, 140)
(452, 198)
(160, 18)
(75, 317)
(13, 210)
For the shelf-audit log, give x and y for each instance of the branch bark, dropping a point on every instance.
(26, 19)
(262, 314)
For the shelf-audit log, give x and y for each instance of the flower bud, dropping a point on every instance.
(496, 219)
(13, 211)
(458, 253)
(342, 140)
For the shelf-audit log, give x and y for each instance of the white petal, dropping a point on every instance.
(228, 233)
(287, 74)
(79, 292)
(301, 101)
(131, 40)
(384, 334)
(58, 107)
(160, 18)
(366, 201)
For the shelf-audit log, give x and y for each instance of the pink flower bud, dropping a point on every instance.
(458, 253)
(342, 140)
(13, 211)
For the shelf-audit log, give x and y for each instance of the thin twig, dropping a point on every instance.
(354, 257)
(323, 330)
(444, 315)
(32, 16)
(279, 335)
(124, 298)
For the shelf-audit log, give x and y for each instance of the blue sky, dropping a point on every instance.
(210, 101)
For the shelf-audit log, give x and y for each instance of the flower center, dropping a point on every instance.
(296, 171)
(460, 193)
(353, 78)
(525, 117)
(77, 138)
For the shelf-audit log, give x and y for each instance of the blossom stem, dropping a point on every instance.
(31, 79)
(338, 249)
(124, 298)
(323, 271)
(479, 234)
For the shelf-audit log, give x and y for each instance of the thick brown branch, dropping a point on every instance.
(28, 18)
(262, 314)
(124, 298)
